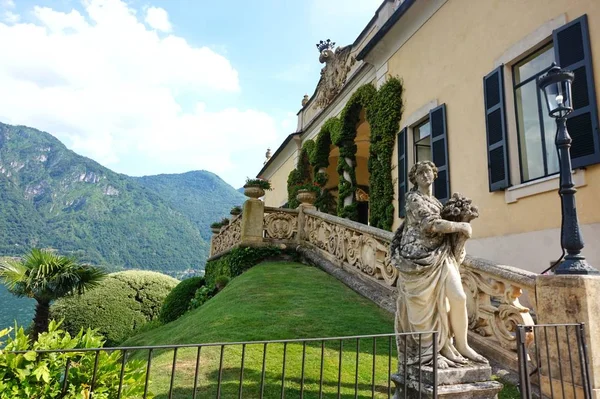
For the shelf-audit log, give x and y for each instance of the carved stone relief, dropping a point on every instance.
(280, 225)
(333, 75)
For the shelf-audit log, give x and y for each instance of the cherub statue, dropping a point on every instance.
(427, 250)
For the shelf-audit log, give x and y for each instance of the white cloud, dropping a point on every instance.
(7, 3)
(158, 19)
(11, 18)
(109, 88)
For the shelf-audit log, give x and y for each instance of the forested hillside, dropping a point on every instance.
(201, 196)
(53, 197)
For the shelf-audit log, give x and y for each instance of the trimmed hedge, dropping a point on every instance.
(121, 303)
(178, 300)
(237, 261)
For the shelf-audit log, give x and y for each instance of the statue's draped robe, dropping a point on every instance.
(424, 259)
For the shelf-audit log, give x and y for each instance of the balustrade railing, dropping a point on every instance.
(494, 292)
(280, 224)
(228, 237)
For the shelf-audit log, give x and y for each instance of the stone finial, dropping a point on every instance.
(267, 156)
(305, 100)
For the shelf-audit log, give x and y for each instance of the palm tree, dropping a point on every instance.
(46, 276)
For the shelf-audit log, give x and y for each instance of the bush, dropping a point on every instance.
(34, 375)
(120, 304)
(202, 295)
(178, 300)
(221, 282)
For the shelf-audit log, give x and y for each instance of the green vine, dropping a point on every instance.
(301, 175)
(383, 113)
(344, 138)
(383, 118)
(320, 154)
(293, 181)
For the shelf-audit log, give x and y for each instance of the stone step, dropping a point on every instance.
(480, 389)
(472, 372)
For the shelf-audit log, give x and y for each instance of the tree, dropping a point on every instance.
(45, 277)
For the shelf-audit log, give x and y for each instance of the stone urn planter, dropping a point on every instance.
(254, 192)
(306, 197)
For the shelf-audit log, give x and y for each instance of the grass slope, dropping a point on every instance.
(275, 300)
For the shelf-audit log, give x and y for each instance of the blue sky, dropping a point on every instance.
(167, 86)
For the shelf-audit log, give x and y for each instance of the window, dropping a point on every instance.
(570, 49)
(536, 129)
(422, 141)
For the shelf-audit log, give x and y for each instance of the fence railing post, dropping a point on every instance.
(525, 386)
(570, 299)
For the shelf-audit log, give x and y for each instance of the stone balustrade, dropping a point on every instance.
(493, 291)
(228, 237)
(280, 224)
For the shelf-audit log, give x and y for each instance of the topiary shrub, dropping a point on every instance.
(37, 375)
(121, 303)
(178, 300)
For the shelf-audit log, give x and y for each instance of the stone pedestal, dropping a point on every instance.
(252, 222)
(470, 381)
(568, 299)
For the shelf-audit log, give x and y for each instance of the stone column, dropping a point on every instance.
(349, 199)
(252, 221)
(568, 299)
(302, 220)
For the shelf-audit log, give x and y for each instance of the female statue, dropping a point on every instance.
(427, 250)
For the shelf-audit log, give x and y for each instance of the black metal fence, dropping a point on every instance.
(553, 361)
(334, 367)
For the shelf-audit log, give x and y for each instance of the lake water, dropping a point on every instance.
(13, 308)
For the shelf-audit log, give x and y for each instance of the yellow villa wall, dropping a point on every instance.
(278, 195)
(447, 60)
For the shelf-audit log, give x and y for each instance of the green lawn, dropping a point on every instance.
(276, 300)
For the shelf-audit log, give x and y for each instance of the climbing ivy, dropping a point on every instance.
(383, 117)
(383, 113)
(320, 154)
(344, 138)
(301, 175)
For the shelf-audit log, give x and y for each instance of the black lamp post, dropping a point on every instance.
(556, 84)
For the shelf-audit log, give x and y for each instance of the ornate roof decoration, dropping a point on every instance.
(334, 73)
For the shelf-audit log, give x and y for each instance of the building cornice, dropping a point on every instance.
(400, 11)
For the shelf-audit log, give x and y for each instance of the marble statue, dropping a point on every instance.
(427, 250)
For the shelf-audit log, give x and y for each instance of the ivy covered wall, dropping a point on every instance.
(383, 113)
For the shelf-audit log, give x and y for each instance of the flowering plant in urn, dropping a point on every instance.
(459, 209)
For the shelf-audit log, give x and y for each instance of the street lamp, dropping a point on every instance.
(556, 84)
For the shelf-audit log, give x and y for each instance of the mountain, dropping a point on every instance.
(201, 196)
(52, 197)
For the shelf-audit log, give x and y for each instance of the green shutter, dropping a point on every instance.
(439, 152)
(495, 125)
(402, 172)
(572, 52)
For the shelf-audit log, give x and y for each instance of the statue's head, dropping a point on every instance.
(420, 169)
